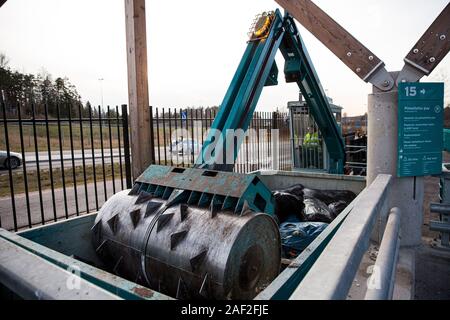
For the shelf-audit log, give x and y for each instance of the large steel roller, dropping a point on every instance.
(187, 251)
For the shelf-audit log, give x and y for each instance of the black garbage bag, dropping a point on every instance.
(287, 204)
(317, 211)
(337, 207)
(296, 236)
(330, 196)
(296, 189)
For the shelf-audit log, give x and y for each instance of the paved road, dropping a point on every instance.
(44, 163)
(163, 153)
(6, 213)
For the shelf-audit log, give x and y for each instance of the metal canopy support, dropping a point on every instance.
(141, 143)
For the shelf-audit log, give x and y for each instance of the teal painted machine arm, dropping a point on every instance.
(240, 101)
(300, 69)
(256, 70)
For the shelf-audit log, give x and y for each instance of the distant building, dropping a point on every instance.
(354, 124)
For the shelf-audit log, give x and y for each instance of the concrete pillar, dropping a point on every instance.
(405, 193)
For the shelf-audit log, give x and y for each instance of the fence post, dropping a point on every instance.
(8, 156)
(152, 137)
(275, 145)
(274, 120)
(126, 145)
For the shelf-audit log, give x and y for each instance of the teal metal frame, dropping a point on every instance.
(218, 190)
(258, 69)
(211, 182)
(65, 244)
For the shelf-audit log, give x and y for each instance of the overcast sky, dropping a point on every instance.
(195, 46)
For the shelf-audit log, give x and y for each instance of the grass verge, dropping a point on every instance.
(45, 179)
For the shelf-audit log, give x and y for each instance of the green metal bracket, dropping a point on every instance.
(272, 79)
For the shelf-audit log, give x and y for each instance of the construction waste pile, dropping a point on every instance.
(304, 213)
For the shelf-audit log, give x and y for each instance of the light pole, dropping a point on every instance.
(101, 89)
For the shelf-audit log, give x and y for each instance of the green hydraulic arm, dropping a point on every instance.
(271, 31)
(300, 69)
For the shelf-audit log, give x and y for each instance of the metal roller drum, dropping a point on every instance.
(187, 252)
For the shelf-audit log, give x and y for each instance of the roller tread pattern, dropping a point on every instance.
(145, 205)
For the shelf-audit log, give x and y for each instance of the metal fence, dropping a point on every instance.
(180, 133)
(356, 154)
(69, 165)
(74, 158)
(307, 143)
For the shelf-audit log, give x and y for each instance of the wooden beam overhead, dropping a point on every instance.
(434, 44)
(346, 47)
(141, 139)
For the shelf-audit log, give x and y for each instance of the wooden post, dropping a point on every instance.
(142, 153)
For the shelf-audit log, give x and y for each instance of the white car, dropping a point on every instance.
(14, 160)
(185, 147)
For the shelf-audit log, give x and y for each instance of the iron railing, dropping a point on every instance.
(68, 164)
(179, 134)
(74, 158)
(356, 160)
(442, 209)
